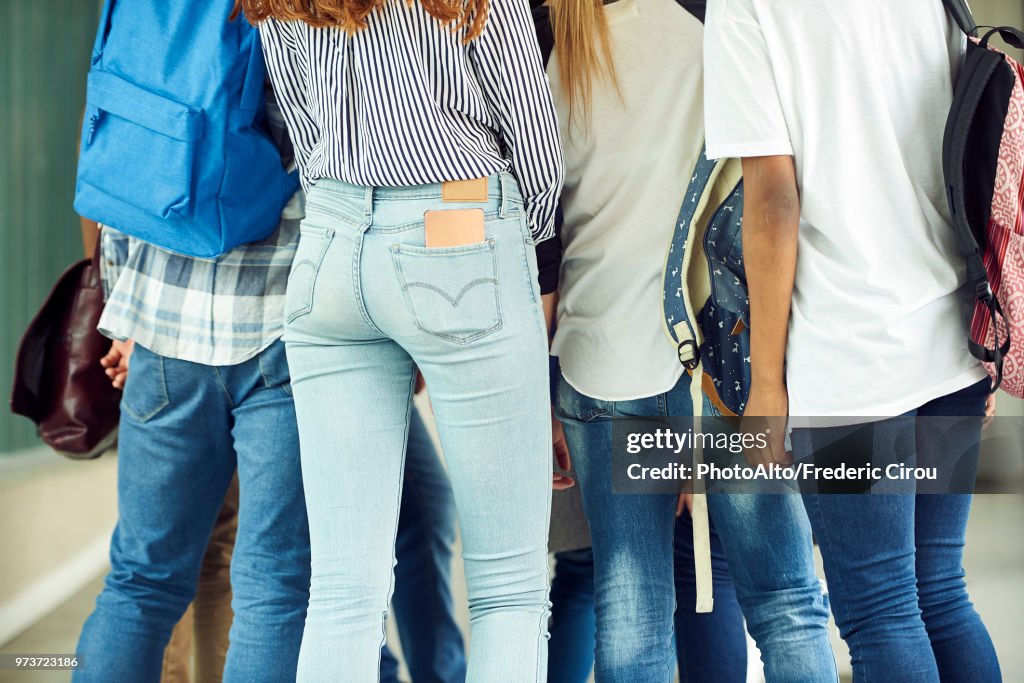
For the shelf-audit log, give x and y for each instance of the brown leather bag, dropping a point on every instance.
(58, 381)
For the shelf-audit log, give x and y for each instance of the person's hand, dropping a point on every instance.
(116, 361)
(765, 414)
(559, 481)
(990, 411)
(685, 502)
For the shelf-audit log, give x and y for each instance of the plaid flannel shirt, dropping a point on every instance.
(220, 311)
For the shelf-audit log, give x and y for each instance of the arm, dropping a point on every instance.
(285, 69)
(90, 233)
(90, 228)
(549, 302)
(771, 219)
(515, 87)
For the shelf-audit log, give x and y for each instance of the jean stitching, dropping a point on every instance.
(161, 385)
(396, 251)
(357, 290)
(824, 541)
(326, 237)
(223, 385)
(398, 511)
(523, 246)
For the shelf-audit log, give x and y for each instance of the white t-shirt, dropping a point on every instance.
(858, 92)
(624, 184)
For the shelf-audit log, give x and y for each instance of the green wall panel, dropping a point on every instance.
(44, 56)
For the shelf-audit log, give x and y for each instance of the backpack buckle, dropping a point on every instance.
(689, 354)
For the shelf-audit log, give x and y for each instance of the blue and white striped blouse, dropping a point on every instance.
(407, 102)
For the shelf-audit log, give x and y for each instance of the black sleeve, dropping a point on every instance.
(549, 258)
(549, 252)
(542, 23)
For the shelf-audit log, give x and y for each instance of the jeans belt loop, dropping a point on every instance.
(368, 204)
(503, 179)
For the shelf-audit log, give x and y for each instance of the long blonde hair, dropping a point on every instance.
(584, 51)
(351, 15)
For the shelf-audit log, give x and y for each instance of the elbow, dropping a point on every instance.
(771, 194)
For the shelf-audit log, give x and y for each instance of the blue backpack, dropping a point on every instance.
(174, 148)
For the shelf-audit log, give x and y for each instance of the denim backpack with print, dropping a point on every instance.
(707, 310)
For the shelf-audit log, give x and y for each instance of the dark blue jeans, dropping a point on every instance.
(704, 642)
(894, 561)
(185, 428)
(637, 578)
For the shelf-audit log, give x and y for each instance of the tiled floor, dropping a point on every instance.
(995, 570)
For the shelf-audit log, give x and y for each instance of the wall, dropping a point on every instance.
(55, 516)
(1000, 13)
(44, 56)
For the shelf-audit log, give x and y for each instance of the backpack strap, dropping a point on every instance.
(103, 32)
(977, 71)
(961, 13)
(679, 323)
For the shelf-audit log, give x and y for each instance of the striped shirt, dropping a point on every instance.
(407, 102)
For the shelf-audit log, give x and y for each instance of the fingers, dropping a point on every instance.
(777, 449)
(116, 363)
(562, 456)
(775, 452)
(685, 502)
(990, 411)
(112, 358)
(561, 482)
(119, 379)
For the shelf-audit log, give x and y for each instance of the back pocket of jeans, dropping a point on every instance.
(451, 292)
(309, 256)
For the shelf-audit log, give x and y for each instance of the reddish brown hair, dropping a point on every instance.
(351, 15)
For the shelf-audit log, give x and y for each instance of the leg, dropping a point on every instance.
(270, 564)
(867, 547)
(962, 646)
(431, 640)
(178, 653)
(500, 465)
(961, 643)
(174, 468)
(709, 647)
(573, 624)
(767, 540)
(212, 606)
(388, 665)
(634, 590)
(353, 404)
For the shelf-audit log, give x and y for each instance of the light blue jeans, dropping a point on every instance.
(424, 611)
(367, 303)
